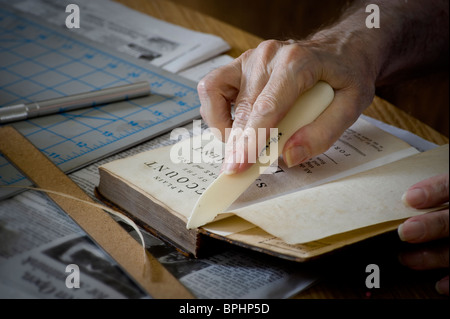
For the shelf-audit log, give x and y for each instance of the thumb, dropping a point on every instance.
(318, 136)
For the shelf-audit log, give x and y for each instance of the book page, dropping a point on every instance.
(361, 147)
(239, 231)
(368, 198)
(177, 175)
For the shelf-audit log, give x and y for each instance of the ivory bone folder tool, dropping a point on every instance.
(224, 190)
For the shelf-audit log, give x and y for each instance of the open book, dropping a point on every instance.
(351, 192)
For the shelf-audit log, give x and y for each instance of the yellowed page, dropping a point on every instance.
(357, 201)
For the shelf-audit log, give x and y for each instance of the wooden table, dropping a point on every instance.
(345, 274)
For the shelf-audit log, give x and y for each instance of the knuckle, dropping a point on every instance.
(205, 87)
(202, 85)
(242, 112)
(302, 63)
(296, 52)
(269, 45)
(299, 54)
(267, 50)
(245, 55)
(266, 106)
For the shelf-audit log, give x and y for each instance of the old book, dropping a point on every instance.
(349, 193)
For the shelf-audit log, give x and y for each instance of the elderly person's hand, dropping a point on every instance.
(428, 227)
(263, 83)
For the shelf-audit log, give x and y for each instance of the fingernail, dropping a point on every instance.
(230, 169)
(414, 197)
(229, 165)
(442, 286)
(295, 155)
(411, 231)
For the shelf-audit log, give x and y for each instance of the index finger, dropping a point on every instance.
(217, 91)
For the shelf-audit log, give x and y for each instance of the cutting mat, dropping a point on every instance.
(39, 61)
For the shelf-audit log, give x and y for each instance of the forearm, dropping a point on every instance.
(413, 35)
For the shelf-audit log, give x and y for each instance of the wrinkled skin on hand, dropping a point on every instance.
(429, 227)
(264, 82)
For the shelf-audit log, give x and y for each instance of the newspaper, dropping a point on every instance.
(44, 272)
(162, 44)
